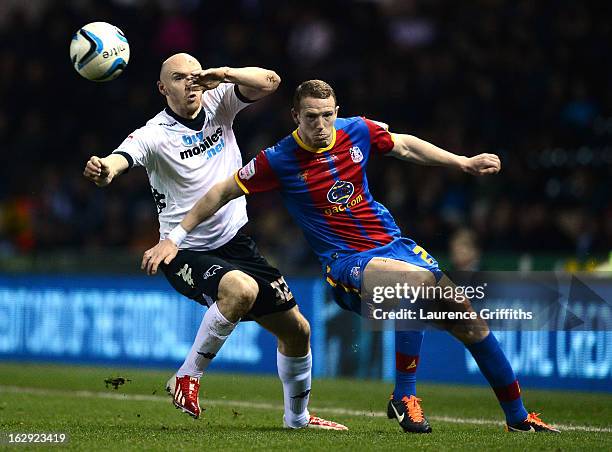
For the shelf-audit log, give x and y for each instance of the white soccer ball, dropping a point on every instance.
(99, 51)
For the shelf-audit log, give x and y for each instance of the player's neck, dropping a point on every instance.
(196, 123)
(310, 145)
(183, 113)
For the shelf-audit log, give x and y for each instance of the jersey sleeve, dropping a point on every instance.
(136, 148)
(381, 139)
(257, 175)
(226, 99)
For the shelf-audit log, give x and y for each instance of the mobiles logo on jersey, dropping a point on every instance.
(206, 145)
(340, 195)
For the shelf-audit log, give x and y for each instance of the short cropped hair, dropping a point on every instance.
(313, 88)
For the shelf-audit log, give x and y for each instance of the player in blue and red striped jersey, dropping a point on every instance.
(320, 172)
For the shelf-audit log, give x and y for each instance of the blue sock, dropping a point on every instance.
(407, 349)
(498, 372)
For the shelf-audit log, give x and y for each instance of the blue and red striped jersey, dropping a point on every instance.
(326, 190)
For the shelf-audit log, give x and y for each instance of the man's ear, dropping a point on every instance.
(337, 109)
(162, 88)
(295, 117)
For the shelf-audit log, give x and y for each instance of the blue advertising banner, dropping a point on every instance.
(142, 322)
(119, 320)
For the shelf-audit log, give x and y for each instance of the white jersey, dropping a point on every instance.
(183, 164)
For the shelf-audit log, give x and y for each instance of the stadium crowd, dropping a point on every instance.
(526, 80)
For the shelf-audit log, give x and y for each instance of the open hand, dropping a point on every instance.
(165, 251)
(206, 79)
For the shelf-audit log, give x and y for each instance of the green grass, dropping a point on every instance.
(106, 419)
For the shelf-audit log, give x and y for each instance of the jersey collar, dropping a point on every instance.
(194, 124)
(303, 145)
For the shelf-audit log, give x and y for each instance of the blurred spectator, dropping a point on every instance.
(517, 78)
(464, 251)
(310, 40)
(176, 33)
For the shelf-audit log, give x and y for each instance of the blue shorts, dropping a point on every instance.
(344, 274)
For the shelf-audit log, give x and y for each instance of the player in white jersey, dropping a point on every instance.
(186, 149)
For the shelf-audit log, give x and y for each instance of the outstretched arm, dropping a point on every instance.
(413, 149)
(101, 171)
(166, 250)
(253, 82)
(210, 203)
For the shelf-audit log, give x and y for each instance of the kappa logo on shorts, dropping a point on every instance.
(355, 272)
(247, 171)
(185, 273)
(211, 271)
(356, 154)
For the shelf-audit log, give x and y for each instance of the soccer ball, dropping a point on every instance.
(99, 51)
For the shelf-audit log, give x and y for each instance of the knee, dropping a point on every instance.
(238, 288)
(470, 333)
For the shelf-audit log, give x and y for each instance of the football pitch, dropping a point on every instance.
(244, 412)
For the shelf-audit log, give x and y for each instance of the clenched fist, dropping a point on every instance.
(482, 164)
(98, 171)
